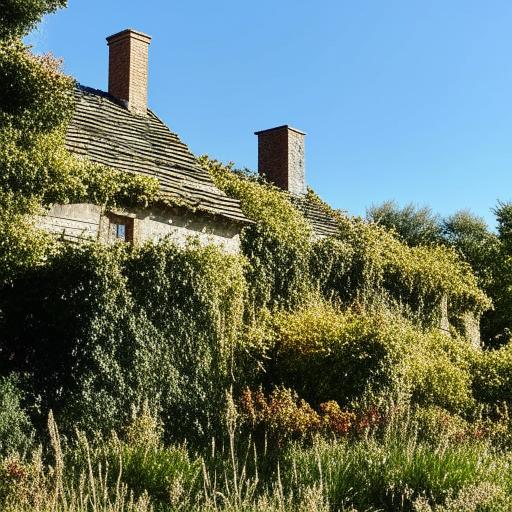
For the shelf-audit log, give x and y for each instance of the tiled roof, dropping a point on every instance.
(322, 223)
(106, 132)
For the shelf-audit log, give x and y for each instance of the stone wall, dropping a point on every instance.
(76, 222)
(468, 324)
(471, 328)
(181, 226)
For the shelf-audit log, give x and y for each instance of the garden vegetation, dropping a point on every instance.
(302, 375)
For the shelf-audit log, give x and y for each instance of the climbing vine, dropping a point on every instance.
(277, 244)
(363, 262)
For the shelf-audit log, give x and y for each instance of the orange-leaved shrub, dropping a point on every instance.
(281, 416)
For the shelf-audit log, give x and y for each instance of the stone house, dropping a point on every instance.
(116, 128)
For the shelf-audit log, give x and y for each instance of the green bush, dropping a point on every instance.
(328, 354)
(100, 328)
(492, 376)
(16, 432)
(194, 300)
(434, 423)
(43, 99)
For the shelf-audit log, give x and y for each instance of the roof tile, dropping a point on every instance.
(107, 133)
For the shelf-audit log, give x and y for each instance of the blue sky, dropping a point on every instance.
(401, 99)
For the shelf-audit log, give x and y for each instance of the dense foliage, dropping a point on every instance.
(365, 261)
(413, 225)
(303, 374)
(99, 329)
(277, 244)
(18, 17)
(487, 253)
(369, 354)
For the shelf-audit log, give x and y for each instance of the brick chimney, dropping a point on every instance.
(281, 158)
(128, 69)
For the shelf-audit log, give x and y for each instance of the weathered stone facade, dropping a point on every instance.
(80, 222)
(471, 328)
(468, 325)
(74, 222)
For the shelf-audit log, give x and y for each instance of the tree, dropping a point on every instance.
(471, 237)
(413, 224)
(497, 324)
(503, 212)
(18, 17)
(483, 250)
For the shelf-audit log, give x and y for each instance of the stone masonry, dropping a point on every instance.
(80, 222)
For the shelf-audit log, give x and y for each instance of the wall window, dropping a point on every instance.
(120, 228)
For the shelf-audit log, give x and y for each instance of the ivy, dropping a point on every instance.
(98, 328)
(364, 262)
(277, 245)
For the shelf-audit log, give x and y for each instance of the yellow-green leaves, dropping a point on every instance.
(260, 201)
(328, 353)
(35, 97)
(277, 245)
(367, 263)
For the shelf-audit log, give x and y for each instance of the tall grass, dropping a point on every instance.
(391, 469)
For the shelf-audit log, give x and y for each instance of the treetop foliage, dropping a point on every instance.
(413, 225)
(35, 97)
(19, 17)
(503, 212)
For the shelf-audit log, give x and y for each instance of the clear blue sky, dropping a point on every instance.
(401, 99)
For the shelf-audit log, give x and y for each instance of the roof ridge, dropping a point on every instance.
(144, 145)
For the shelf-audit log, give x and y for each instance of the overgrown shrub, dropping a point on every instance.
(16, 431)
(492, 376)
(366, 263)
(281, 416)
(100, 328)
(43, 99)
(329, 354)
(193, 299)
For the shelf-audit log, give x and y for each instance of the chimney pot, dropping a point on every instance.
(128, 69)
(281, 158)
